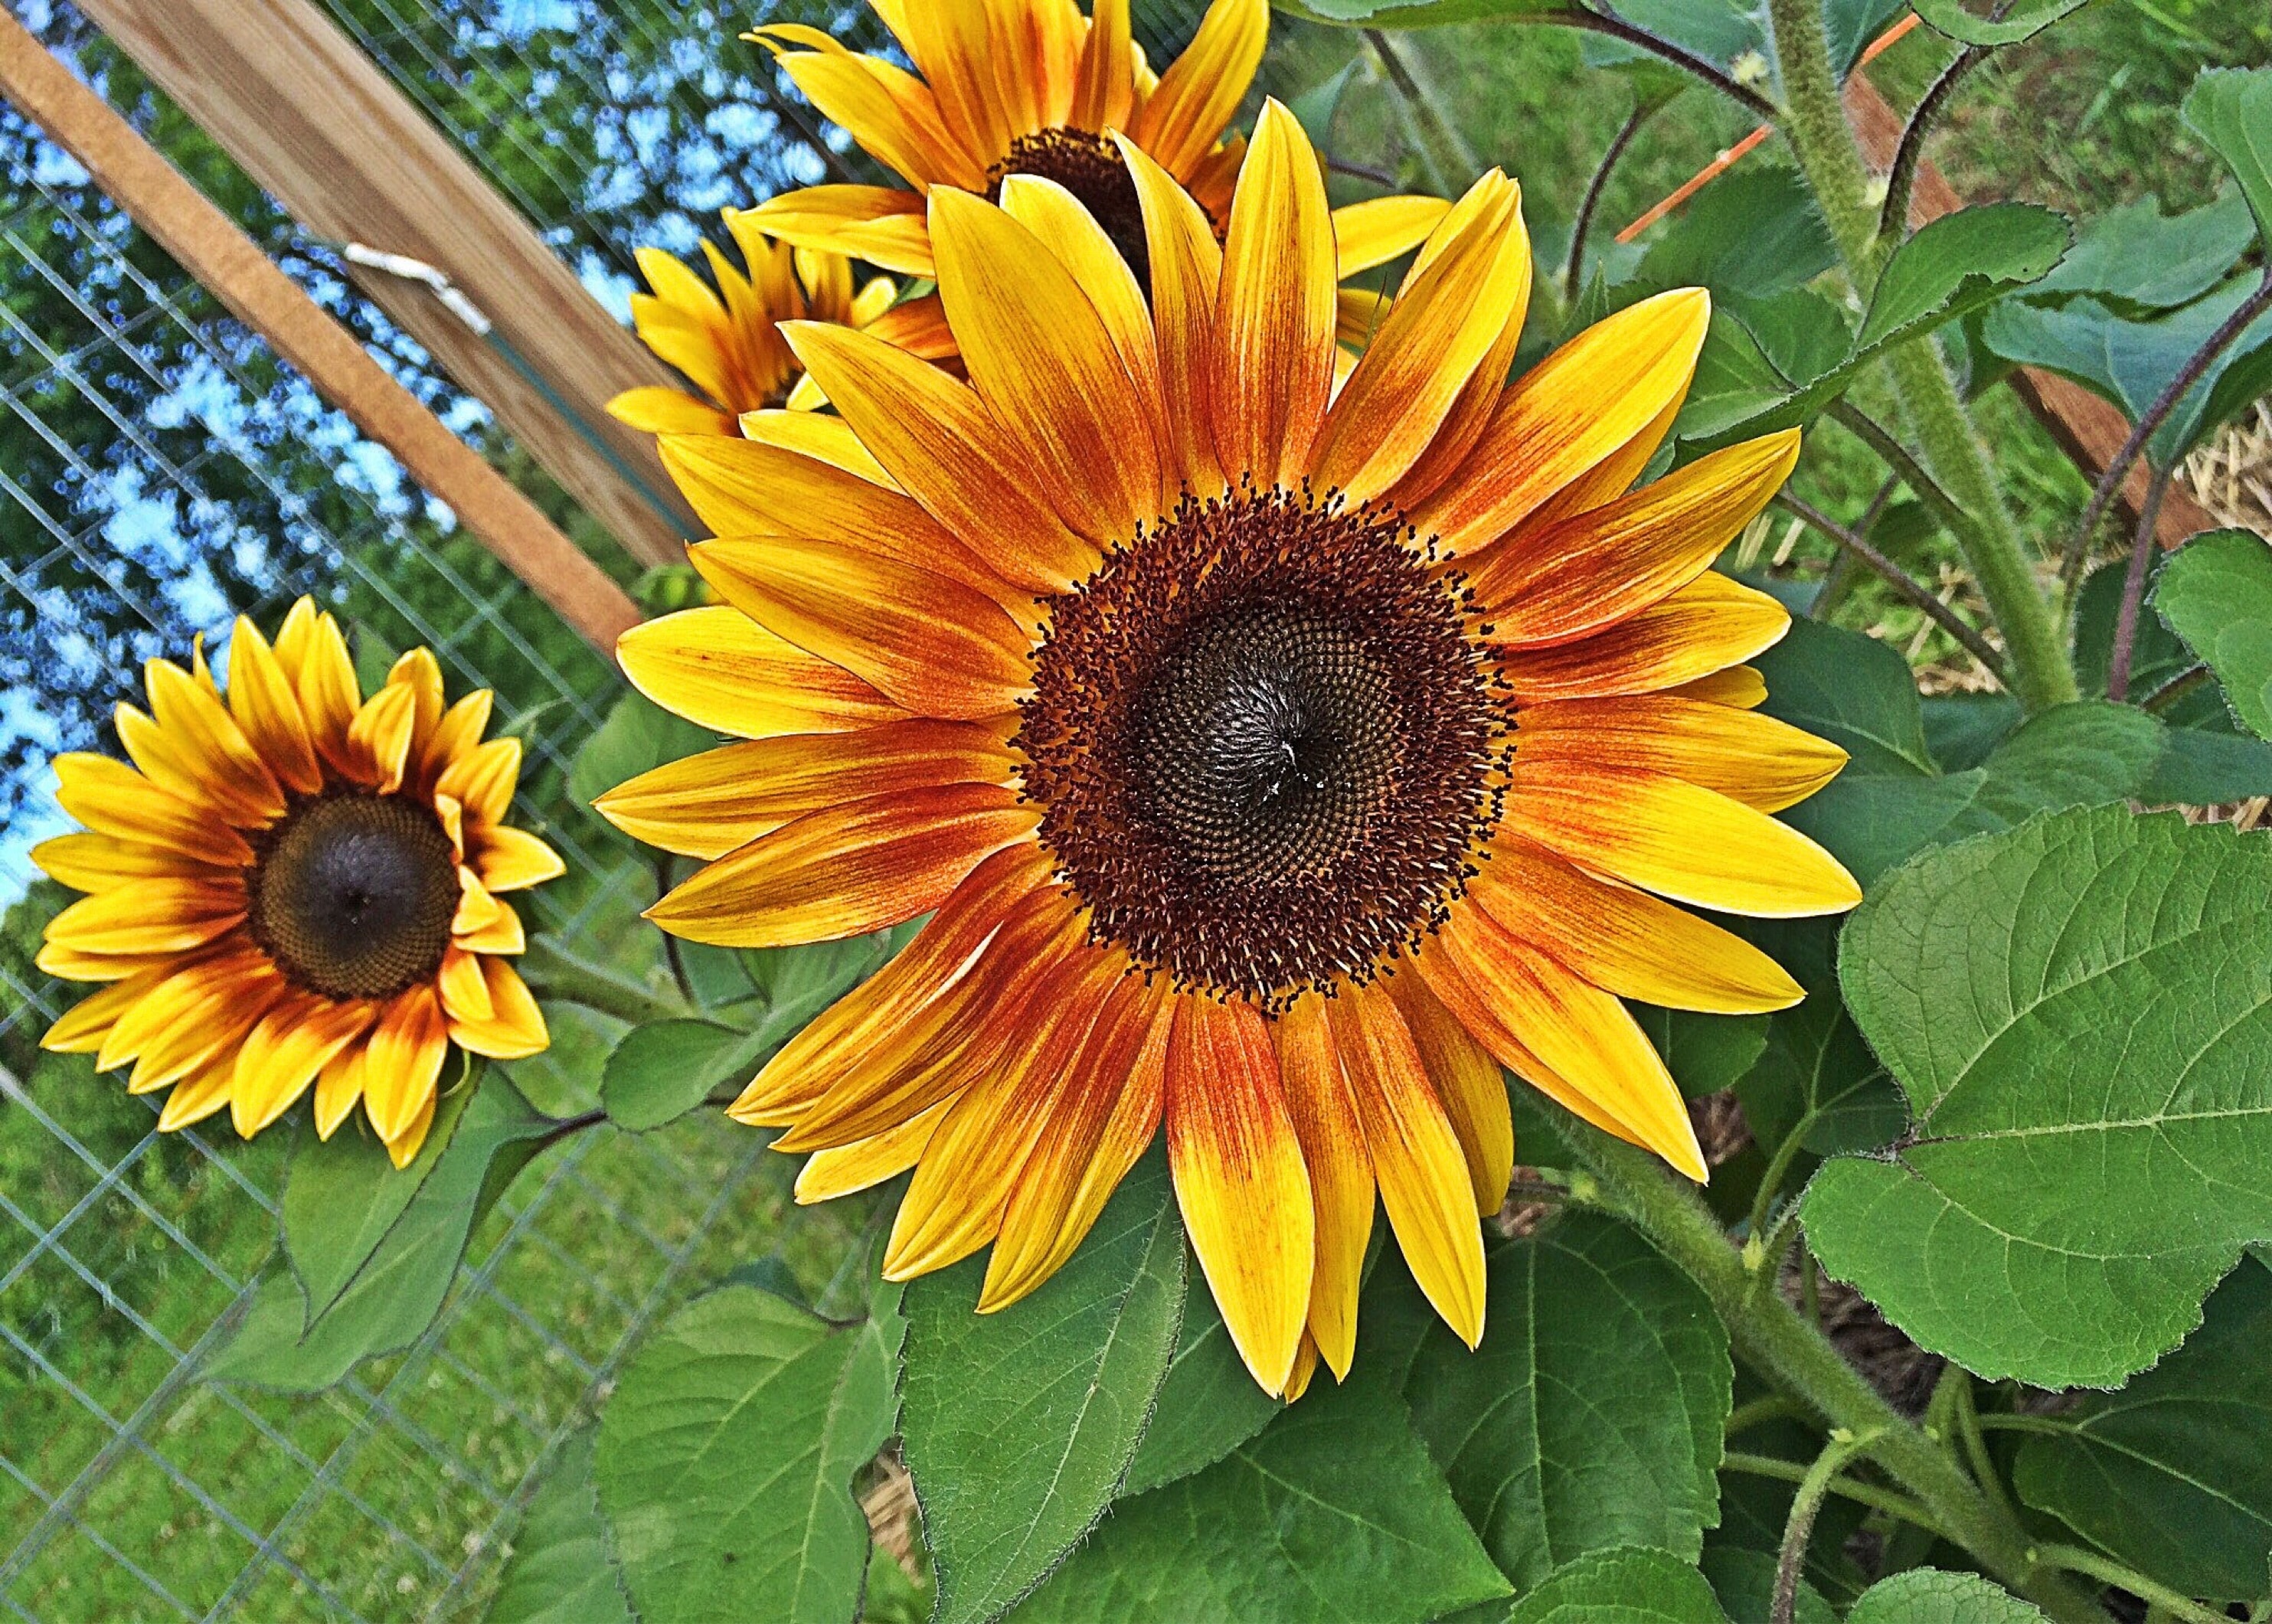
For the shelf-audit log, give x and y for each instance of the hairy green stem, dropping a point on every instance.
(1815, 123)
(1876, 1499)
(1771, 1337)
(553, 972)
(2075, 1559)
(1798, 1528)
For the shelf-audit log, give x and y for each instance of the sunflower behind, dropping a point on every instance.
(294, 885)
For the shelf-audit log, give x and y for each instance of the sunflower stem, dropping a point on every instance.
(554, 973)
(1798, 1528)
(1815, 123)
(1768, 1334)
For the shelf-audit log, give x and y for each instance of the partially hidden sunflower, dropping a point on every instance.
(297, 886)
(1006, 87)
(1280, 762)
(727, 341)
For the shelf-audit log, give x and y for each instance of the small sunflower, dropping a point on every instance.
(731, 348)
(1006, 87)
(298, 885)
(1281, 762)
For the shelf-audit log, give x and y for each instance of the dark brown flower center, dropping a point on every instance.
(1264, 743)
(1092, 169)
(352, 894)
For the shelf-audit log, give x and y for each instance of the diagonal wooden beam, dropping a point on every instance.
(211, 248)
(329, 137)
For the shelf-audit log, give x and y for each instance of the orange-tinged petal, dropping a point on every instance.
(1203, 88)
(919, 327)
(1468, 1081)
(203, 744)
(511, 859)
(1101, 1120)
(1274, 314)
(110, 797)
(465, 991)
(90, 862)
(949, 47)
(282, 1056)
(195, 1099)
(844, 88)
(1417, 1156)
(1596, 568)
(1757, 759)
(817, 434)
(261, 698)
(483, 780)
(706, 806)
(1371, 232)
(942, 443)
(154, 916)
(936, 646)
(1435, 335)
(1612, 476)
(514, 1028)
(1709, 623)
(502, 932)
(1626, 942)
(461, 729)
(657, 409)
(1739, 685)
(1105, 90)
(883, 224)
(1040, 355)
(895, 1002)
(378, 738)
(404, 1061)
(81, 1028)
(827, 1174)
(718, 668)
(1584, 1036)
(1668, 836)
(1567, 414)
(328, 693)
(845, 871)
(1325, 1118)
(1239, 1180)
(1186, 280)
(339, 1087)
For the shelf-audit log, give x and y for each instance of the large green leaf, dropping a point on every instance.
(393, 1293)
(1925, 1595)
(2231, 109)
(1755, 234)
(1334, 1513)
(559, 1572)
(1019, 1427)
(661, 1072)
(1815, 1077)
(2171, 1474)
(637, 735)
(1590, 1417)
(1953, 267)
(2009, 24)
(1632, 1586)
(1208, 1405)
(726, 1457)
(2081, 754)
(1853, 690)
(2080, 1013)
(2136, 256)
(2216, 595)
(1704, 1053)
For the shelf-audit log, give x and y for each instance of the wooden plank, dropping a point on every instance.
(2088, 428)
(327, 134)
(211, 248)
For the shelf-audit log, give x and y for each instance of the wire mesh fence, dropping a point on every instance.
(160, 472)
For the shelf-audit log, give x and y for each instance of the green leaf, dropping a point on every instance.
(1925, 1596)
(1704, 1053)
(637, 736)
(1816, 1077)
(2080, 1013)
(798, 983)
(559, 1572)
(1019, 1427)
(1632, 1586)
(2081, 754)
(1208, 1405)
(1590, 1417)
(1853, 690)
(1963, 728)
(658, 1072)
(2208, 769)
(1332, 1513)
(2010, 25)
(2230, 110)
(342, 1198)
(400, 1285)
(2171, 1475)
(2139, 260)
(726, 1457)
(1743, 1582)
(2216, 595)
(1753, 235)
(1422, 13)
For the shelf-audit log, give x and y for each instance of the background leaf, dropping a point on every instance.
(342, 1198)
(2230, 110)
(1209, 1405)
(2216, 593)
(1853, 690)
(661, 1071)
(1743, 1582)
(2009, 26)
(2136, 256)
(1019, 1426)
(1590, 1417)
(2080, 1013)
(1334, 1512)
(726, 1457)
(637, 735)
(1925, 1596)
(2170, 1475)
(1632, 1586)
(559, 1572)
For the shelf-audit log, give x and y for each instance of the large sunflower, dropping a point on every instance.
(1009, 87)
(1280, 762)
(730, 348)
(298, 885)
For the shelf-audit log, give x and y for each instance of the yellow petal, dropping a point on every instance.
(483, 780)
(1071, 232)
(1325, 1118)
(514, 1028)
(656, 408)
(378, 738)
(154, 916)
(1755, 758)
(282, 1056)
(827, 1174)
(81, 1028)
(1467, 1080)
(404, 1062)
(328, 693)
(402, 1149)
(261, 698)
(1187, 279)
(718, 668)
(882, 225)
(1373, 233)
(817, 434)
(205, 755)
(513, 859)
(1105, 92)
(1707, 626)
(1203, 88)
(89, 862)
(339, 1087)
